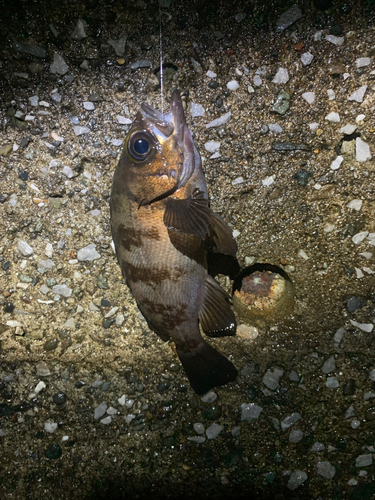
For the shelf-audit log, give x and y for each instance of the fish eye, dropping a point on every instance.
(140, 145)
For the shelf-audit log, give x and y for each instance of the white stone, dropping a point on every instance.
(112, 411)
(199, 428)
(39, 387)
(295, 435)
(214, 430)
(100, 410)
(355, 204)
(366, 255)
(362, 62)
(303, 254)
(122, 120)
(331, 94)
(362, 150)
(197, 439)
(281, 76)
(34, 100)
(67, 171)
(297, 478)
(120, 318)
(329, 365)
(333, 117)
(111, 312)
(307, 58)
(309, 97)
(359, 94)
(118, 45)
(81, 130)
(317, 37)
(288, 17)
(70, 323)
(348, 129)
(79, 31)
(220, 121)
(196, 110)
(316, 447)
(88, 253)
(257, 81)
(25, 248)
(62, 290)
(360, 118)
(336, 163)
(44, 104)
(46, 264)
(106, 420)
(268, 180)
(313, 126)
(212, 146)
(233, 85)
(359, 273)
(365, 327)
(211, 74)
(89, 106)
(336, 40)
(250, 412)
(238, 180)
(325, 469)
(129, 418)
(50, 427)
(59, 65)
(363, 460)
(272, 377)
(275, 127)
(359, 237)
(290, 420)
(116, 142)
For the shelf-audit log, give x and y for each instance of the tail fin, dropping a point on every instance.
(206, 368)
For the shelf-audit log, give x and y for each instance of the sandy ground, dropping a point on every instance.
(298, 191)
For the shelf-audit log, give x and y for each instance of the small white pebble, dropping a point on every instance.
(309, 97)
(233, 85)
(331, 94)
(333, 117)
(355, 204)
(336, 163)
(362, 62)
(89, 106)
(303, 254)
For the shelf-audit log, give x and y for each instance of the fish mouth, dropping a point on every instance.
(163, 126)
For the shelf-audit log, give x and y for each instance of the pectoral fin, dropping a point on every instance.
(220, 238)
(216, 317)
(190, 215)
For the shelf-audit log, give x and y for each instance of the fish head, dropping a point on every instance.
(159, 154)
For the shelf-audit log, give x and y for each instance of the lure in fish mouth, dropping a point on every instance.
(164, 231)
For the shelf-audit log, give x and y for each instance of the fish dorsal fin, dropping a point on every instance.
(190, 215)
(220, 238)
(216, 317)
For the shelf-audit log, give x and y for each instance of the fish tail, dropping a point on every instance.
(206, 368)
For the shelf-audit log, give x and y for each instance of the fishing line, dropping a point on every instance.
(161, 63)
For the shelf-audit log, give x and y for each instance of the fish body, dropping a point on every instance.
(163, 231)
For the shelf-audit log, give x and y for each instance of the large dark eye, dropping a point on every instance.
(140, 145)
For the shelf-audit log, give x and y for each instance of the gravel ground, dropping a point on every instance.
(92, 404)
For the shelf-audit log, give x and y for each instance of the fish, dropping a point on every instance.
(163, 231)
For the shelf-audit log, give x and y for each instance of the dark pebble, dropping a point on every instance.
(105, 386)
(213, 84)
(79, 384)
(25, 141)
(336, 30)
(51, 344)
(3, 198)
(53, 452)
(219, 102)
(182, 388)
(9, 307)
(353, 304)
(251, 392)
(70, 194)
(5, 265)
(59, 398)
(370, 414)
(349, 387)
(164, 386)
(105, 303)
(302, 176)
(35, 280)
(24, 175)
(107, 322)
(66, 343)
(56, 144)
(212, 413)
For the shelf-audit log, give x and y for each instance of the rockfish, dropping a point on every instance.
(163, 230)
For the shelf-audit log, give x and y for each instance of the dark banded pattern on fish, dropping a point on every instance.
(163, 231)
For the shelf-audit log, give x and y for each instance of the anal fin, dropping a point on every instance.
(216, 316)
(206, 368)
